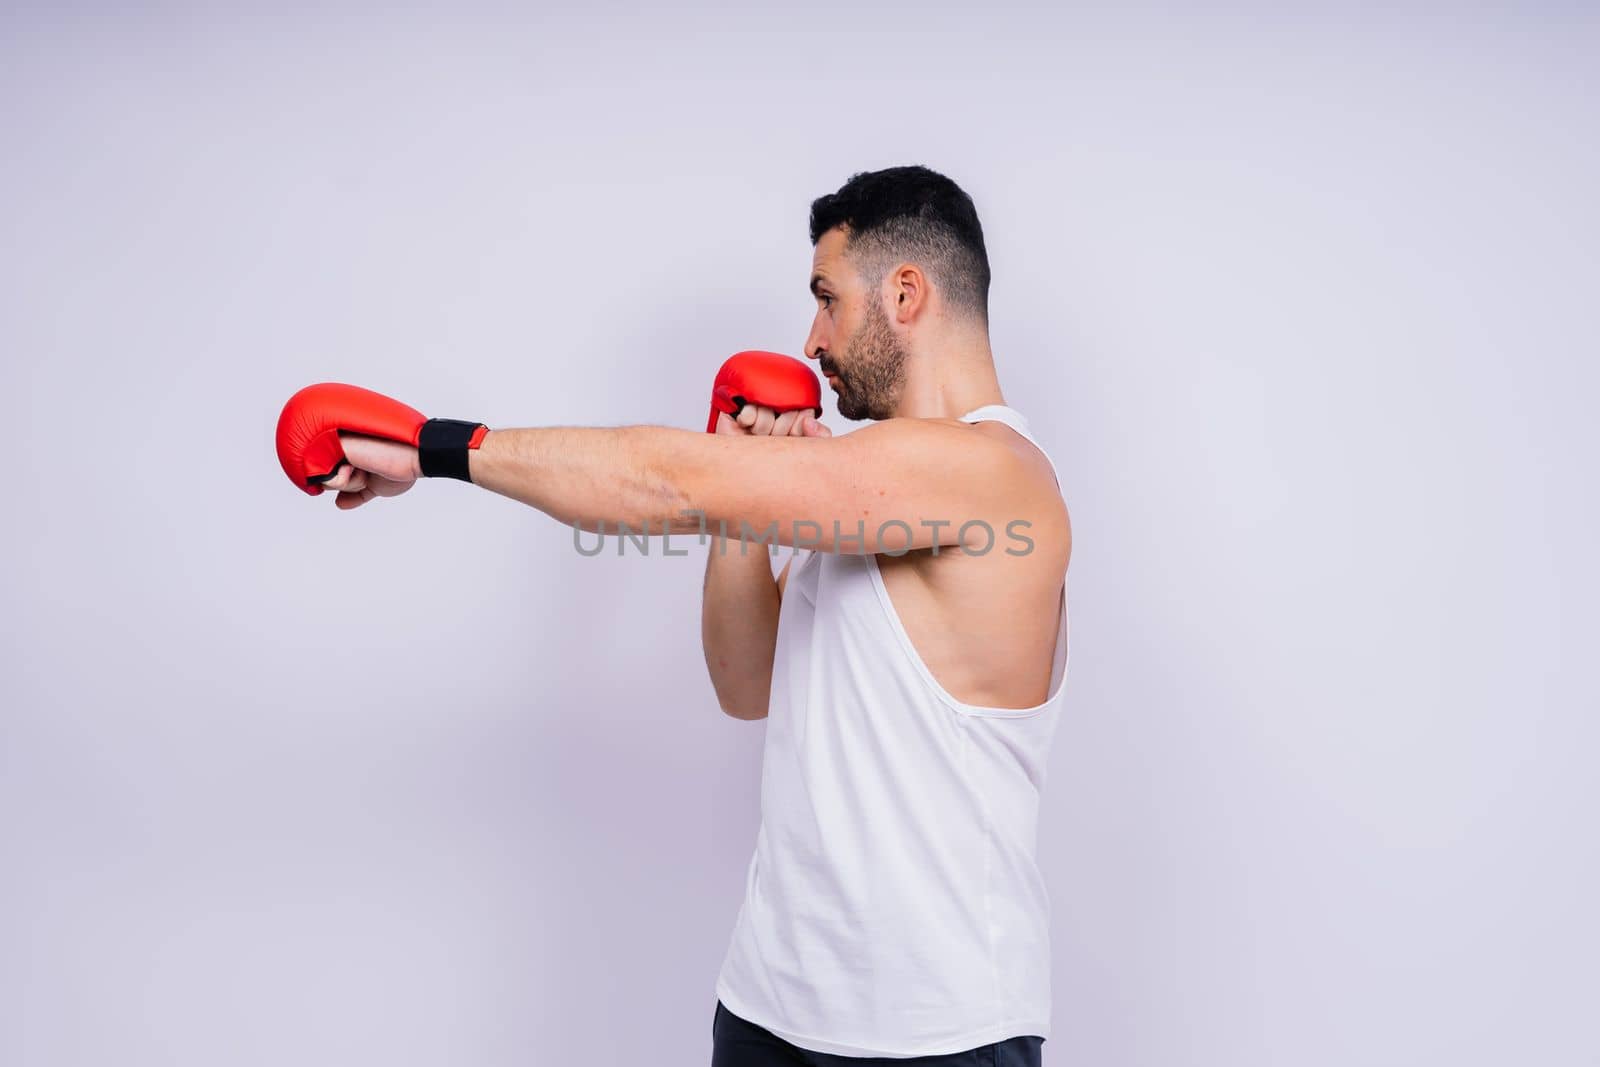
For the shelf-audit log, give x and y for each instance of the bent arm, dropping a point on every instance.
(739, 626)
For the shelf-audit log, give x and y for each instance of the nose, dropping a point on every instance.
(816, 340)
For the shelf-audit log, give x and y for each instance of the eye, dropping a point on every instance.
(826, 299)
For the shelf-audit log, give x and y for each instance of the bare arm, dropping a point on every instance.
(739, 627)
(740, 602)
(895, 485)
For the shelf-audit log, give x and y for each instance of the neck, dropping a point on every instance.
(948, 378)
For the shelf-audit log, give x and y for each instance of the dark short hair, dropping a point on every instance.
(916, 214)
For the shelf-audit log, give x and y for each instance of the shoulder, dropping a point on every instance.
(1009, 472)
(992, 449)
(991, 445)
(1039, 495)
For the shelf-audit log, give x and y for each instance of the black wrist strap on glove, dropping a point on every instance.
(443, 444)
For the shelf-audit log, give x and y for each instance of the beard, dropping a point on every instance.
(872, 372)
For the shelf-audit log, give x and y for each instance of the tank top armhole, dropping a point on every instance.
(1061, 657)
(1058, 667)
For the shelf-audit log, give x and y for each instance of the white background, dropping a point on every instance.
(1301, 301)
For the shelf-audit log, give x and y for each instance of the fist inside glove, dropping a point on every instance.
(313, 419)
(768, 379)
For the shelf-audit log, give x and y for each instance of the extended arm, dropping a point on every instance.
(895, 485)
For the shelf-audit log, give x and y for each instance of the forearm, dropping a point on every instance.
(588, 476)
(739, 625)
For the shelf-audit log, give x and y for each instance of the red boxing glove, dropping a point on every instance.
(768, 379)
(309, 428)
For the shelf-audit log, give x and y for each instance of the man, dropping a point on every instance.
(909, 664)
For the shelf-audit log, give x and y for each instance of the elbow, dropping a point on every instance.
(663, 487)
(742, 711)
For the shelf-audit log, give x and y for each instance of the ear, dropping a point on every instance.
(908, 292)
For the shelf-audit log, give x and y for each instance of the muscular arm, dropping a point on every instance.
(924, 478)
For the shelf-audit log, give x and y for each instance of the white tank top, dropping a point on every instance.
(893, 906)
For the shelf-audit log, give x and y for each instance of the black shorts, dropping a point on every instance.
(736, 1042)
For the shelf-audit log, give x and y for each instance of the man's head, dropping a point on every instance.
(899, 260)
